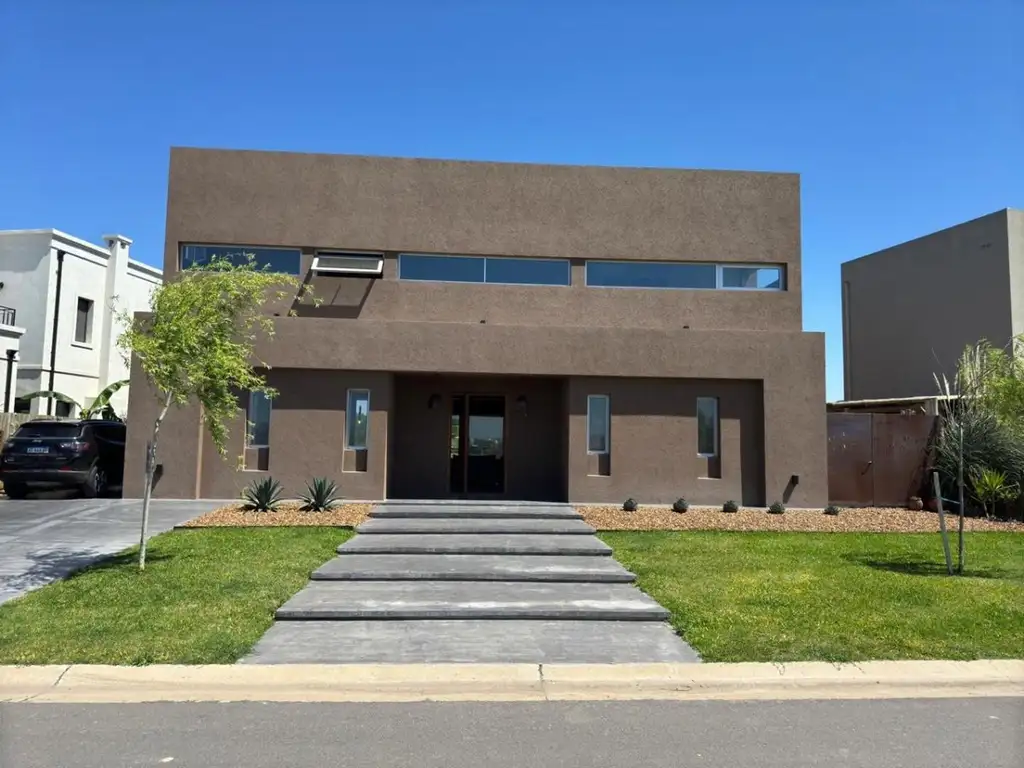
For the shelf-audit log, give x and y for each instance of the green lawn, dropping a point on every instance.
(205, 597)
(832, 596)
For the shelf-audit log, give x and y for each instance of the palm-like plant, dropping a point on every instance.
(991, 487)
(99, 408)
(320, 495)
(262, 495)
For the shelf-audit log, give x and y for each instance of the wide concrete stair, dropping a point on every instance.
(484, 583)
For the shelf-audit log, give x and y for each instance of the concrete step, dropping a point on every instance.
(473, 525)
(473, 544)
(470, 600)
(474, 510)
(470, 641)
(473, 568)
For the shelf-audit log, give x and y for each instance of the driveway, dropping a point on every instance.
(42, 541)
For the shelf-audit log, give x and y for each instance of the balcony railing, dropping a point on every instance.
(7, 316)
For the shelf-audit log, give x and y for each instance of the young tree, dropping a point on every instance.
(196, 345)
(982, 426)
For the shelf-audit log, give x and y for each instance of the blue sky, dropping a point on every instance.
(901, 116)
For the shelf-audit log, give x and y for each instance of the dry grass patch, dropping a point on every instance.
(288, 514)
(867, 520)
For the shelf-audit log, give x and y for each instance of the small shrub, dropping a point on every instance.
(629, 505)
(777, 508)
(992, 487)
(680, 505)
(730, 506)
(320, 495)
(831, 509)
(262, 495)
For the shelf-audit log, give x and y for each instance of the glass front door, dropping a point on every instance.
(477, 444)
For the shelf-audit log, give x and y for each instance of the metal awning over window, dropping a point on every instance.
(354, 264)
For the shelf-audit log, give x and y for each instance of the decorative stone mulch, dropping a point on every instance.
(868, 520)
(289, 513)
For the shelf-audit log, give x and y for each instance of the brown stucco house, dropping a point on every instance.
(507, 331)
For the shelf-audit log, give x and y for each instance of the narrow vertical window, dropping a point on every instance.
(258, 416)
(83, 322)
(357, 419)
(707, 426)
(597, 424)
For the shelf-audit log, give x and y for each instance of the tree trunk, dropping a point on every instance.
(960, 500)
(150, 473)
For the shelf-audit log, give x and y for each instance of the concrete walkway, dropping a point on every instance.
(430, 582)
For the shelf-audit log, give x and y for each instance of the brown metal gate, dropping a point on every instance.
(877, 459)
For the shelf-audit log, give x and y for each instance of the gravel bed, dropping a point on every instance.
(865, 520)
(289, 513)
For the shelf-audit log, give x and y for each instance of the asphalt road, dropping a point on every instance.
(980, 733)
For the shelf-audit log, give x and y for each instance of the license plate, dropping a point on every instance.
(37, 449)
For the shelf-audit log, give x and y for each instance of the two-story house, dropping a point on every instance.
(65, 293)
(501, 330)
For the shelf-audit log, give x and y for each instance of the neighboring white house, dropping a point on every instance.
(36, 266)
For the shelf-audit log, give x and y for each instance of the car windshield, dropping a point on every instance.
(48, 429)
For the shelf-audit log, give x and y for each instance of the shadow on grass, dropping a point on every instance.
(926, 567)
(54, 565)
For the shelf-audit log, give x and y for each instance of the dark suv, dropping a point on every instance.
(88, 455)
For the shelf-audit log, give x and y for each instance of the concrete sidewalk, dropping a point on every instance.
(511, 682)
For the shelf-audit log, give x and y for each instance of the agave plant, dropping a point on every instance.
(320, 495)
(262, 495)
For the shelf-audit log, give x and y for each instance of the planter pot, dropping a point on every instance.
(915, 504)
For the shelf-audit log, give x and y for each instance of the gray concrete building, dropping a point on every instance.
(508, 331)
(910, 310)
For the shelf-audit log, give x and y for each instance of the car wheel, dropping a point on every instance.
(96, 484)
(15, 491)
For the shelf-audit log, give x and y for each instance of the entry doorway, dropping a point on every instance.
(476, 445)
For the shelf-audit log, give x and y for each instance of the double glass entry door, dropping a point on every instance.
(476, 442)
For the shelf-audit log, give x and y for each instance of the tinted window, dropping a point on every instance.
(649, 274)
(83, 321)
(48, 429)
(528, 271)
(762, 278)
(447, 269)
(283, 260)
(357, 418)
(707, 426)
(258, 417)
(597, 424)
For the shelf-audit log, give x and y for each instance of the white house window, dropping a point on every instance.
(707, 426)
(83, 321)
(357, 419)
(598, 437)
(353, 264)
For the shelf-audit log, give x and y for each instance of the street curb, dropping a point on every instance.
(511, 682)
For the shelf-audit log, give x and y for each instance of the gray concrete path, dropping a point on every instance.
(485, 583)
(42, 541)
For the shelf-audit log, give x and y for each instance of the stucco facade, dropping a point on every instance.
(45, 276)
(519, 363)
(910, 310)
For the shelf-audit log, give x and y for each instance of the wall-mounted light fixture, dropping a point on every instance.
(434, 401)
(521, 404)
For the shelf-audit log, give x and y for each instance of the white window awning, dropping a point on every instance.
(354, 264)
